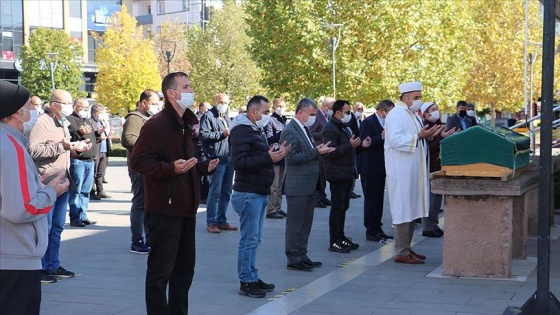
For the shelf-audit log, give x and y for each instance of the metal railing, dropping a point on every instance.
(532, 130)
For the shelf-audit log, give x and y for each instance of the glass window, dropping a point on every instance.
(75, 8)
(45, 13)
(161, 7)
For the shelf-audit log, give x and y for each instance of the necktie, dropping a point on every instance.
(309, 136)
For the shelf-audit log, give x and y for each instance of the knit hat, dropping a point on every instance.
(12, 98)
(410, 87)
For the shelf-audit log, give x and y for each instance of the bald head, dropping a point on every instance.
(222, 98)
(36, 101)
(61, 96)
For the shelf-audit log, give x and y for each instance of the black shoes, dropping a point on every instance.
(77, 223)
(47, 278)
(266, 287)
(313, 263)
(346, 241)
(440, 231)
(300, 265)
(339, 247)
(60, 273)
(433, 233)
(354, 195)
(326, 202)
(319, 204)
(385, 236)
(274, 215)
(93, 196)
(89, 222)
(281, 212)
(251, 289)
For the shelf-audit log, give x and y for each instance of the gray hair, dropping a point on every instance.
(304, 103)
(97, 108)
(327, 100)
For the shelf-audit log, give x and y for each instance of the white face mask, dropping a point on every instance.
(28, 125)
(186, 101)
(40, 110)
(278, 111)
(358, 114)
(470, 113)
(83, 114)
(434, 116)
(416, 105)
(329, 112)
(222, 108)
(66, 110)
(104, 117)
(153, 109)
(310, 121)
(263, 121)
(346, 119)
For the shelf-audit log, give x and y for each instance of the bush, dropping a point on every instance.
(117, 150)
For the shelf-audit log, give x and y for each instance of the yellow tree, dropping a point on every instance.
(173, 38)
(495, 77)
(127, 64)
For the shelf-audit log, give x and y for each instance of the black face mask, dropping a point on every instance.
(462, 113)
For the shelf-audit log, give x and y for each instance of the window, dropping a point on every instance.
(149, 9)
(185, 5)
(161, 7)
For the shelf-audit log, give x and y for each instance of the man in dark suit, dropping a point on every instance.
(355, 124)
(371, 167)
(459, 121)
(316, 130)
(302, 175)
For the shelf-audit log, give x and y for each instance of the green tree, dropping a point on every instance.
(220, 57)
(67, 57)
(127, 64)
(173, 38)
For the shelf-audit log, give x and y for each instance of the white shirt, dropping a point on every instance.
(304, 132)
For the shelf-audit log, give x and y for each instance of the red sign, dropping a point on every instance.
(7, 54)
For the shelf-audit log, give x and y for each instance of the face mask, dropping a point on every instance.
(416, 105)
(66, 110)
(222, 108)
(104, 117)
(186, 101)
(263, 121)
(278, 111)
(358, 114)
(434, 116)
(462, 113)
(40, 111)
(329, 112)
(153, 109)
(83, 114)
(28, 125)
(346, 118)
(470, 113)
(310, 121)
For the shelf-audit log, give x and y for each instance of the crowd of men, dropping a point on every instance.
(250, 161)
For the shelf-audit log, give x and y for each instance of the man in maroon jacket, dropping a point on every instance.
(164, 154)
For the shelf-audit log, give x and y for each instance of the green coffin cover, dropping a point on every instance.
(494, 145)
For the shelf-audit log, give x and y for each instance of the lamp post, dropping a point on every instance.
(167, 53)
(52, 66)
(334, 41)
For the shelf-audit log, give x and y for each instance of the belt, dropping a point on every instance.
(85, 160)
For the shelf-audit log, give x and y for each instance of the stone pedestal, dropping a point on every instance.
(485, 223)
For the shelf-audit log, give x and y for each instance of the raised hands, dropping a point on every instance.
(213, 164)
(448, 133)
(60, 183)
(182, 166)
(428, 132)
(324, 148)
(366, 143)
(355, 141)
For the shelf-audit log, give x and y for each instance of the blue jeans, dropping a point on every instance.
(137, 209)
(56, 218)
(251, 210)
(81, 173)
(219, 193)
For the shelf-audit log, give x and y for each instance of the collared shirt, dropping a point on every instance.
(462, 121)
(304, 131)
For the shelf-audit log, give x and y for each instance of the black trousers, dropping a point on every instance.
(340, 202)
(374, 193)
(170, 263)
(204, 187)
(99, 173)
(20, 292)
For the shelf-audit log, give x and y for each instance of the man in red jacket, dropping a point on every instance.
(164, 154)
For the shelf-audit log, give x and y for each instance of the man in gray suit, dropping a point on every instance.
(302, 175)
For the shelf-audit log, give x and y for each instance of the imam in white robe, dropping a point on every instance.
(405, 164)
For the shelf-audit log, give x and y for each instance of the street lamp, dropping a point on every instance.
(167, 53)
(52, 66)
(334, 45)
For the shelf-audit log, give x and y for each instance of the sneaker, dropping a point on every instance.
(339, 248)
(266, 287)
(60, 273)
(47, 278)
(140, 248)
(251, 289)
(346, 241)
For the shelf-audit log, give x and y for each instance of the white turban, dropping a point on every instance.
(410, 87)
(425, 106)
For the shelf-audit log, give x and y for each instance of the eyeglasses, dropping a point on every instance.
(359, 109)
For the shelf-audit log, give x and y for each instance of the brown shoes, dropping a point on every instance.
(408, 259)
(227, 227)
(421, 257)
(213, 229)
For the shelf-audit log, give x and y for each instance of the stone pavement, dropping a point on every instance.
(110, 279)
